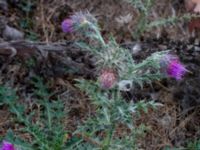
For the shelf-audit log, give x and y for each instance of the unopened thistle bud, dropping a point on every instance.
(107, 79)
(7, 146)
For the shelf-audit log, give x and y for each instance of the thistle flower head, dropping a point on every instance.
(80, 21)
(7, 146)
(176, 70)
(173, 67)
(83, 20)
(107, 79)
(166, 59)
(67, 25)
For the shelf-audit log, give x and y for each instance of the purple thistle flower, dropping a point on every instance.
(67, 26)
(171, 66)
(176, 70)
(7, 146)
(84, 23)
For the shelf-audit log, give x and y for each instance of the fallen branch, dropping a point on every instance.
(56, 56)
(6, 48)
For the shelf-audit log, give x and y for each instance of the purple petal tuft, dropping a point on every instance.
(176, 70)
(7, 146)
(67, 26)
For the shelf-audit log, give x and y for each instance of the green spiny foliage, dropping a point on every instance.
(27, 23)
(144, 8)
(47, 131)
(111, 55)
(194, 145)
(111, 110)
(170, 20)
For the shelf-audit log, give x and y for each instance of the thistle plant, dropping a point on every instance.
(116, 70)
(115, 62)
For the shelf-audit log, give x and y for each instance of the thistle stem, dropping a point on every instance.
(98, 34)
(108, 138)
